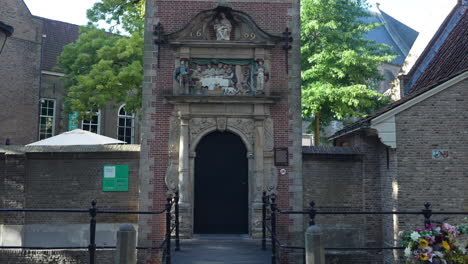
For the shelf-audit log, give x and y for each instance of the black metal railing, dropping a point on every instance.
(269, 202)
(165, 245)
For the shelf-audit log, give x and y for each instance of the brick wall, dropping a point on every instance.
(408, 175)
(19, 73)
(337, 182)
(12, 172)
(47, 256)
(437, 123)
(72, 180)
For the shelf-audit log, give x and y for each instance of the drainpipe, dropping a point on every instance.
(44, 36)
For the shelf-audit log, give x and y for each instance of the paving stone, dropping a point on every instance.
(221, 249)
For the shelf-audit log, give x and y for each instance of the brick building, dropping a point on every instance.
(417, 146)
(213, 136)
(33, 90)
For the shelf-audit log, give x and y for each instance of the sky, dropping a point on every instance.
(418, 14)
(71, 11)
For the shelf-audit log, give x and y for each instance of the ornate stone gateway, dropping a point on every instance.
(221, 83)
(221, 75)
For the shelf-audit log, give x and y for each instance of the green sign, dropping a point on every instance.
(72, 121)
(115, 178)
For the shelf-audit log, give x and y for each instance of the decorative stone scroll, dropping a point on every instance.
(172, 176)
(222, 24)
(244, 125)
(199, 125)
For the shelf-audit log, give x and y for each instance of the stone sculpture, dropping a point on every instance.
(261, 76)
(181, 75)
(223, 28)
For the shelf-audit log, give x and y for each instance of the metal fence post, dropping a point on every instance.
(177, 233)
(92, 232)
(427, 212)
(312, 213)
(168, 230)
(314, 249)
(273, 229)
(264, 204)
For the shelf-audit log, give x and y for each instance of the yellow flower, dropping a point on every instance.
(445, 245)
(423, 257)
(423, 242)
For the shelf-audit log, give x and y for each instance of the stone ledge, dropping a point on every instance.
(213, 99)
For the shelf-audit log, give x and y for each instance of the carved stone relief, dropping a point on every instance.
(172, 176)
(198, 125)
(174, 132)
(221, 124)
(268, 132)
(221, 77)
(223, 24)
(244, 125)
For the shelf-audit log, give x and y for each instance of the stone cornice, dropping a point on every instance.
(207, 99)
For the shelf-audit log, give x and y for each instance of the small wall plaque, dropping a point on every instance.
(440, 154)
(281, 157)
(115, 178)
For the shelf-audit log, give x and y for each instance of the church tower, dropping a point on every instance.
(221, 121)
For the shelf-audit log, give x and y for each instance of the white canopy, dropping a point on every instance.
(77, 137)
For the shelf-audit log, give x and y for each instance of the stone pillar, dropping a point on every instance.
(126, 252)
(315, 252)
(259, 143)
(184, 161)
(185, 187)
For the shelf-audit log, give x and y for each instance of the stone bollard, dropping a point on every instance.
(314, 249)
(125, 252)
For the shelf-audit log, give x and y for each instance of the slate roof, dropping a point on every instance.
(450, 60)
(404, 34)
(58, 34)
(394, 33)
(326, 150)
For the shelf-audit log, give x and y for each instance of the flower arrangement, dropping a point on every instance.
(435, 244)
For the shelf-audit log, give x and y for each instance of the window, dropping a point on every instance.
(126, 126)
(93, 124)
(47, 118)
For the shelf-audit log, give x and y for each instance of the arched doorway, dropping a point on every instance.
(221, 185)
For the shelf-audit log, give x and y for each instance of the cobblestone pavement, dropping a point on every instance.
(221, 249)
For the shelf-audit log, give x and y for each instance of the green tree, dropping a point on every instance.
(103, 67)
(339, 66)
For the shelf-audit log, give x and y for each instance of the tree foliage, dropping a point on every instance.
(102, 67)
(339, 66)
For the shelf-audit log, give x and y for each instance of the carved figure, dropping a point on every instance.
(230, 91)
(196, 75)
(223, 28)
(209, 71)
(220, 69)
(261, 76)
(181, 75)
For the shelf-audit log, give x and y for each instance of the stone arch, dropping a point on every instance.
(208, 130)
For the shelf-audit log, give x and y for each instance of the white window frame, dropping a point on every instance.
(47, 116)
(127, 116)
(98, 114)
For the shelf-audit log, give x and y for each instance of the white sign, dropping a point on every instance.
(109, 172)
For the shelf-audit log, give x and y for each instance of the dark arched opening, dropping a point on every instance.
(221, 185)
